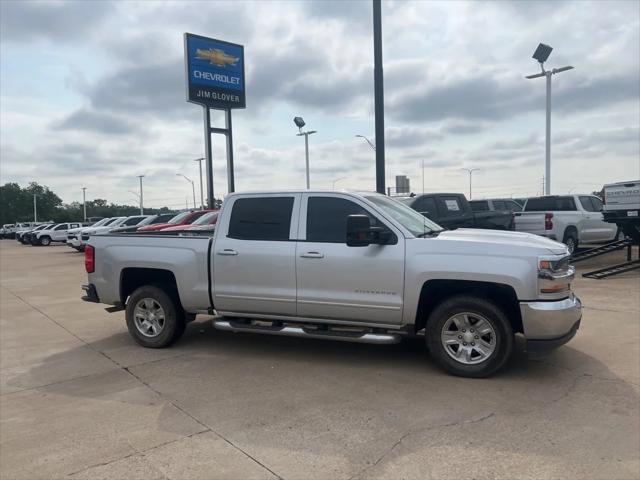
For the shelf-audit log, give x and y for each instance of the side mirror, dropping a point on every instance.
(358, 231)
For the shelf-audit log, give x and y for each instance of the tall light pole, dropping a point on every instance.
(373, 147)
(541, 54)
(193, 187)
(300, 123)
(35, 209)
(199, 160)
(84, 202)
(333, 184)
(470, 170)
(141, 197)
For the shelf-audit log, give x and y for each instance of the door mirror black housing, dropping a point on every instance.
(358, 231)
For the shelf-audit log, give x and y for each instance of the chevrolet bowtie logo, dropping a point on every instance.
(216, 57)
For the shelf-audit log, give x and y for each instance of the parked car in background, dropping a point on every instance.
(28, 238)
(7, 230)
(622, 206)
(570, 219)
(151, 220)
(184, 218)
(343, 266)
(495, 204)
(58, 233)
(21, 234)
(131, 221)
(206, 223)
(452, 210)
(74, 236)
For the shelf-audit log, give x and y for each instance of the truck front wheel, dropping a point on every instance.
(155, 318)
(469, 336)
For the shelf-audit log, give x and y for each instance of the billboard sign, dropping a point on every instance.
(214, 72)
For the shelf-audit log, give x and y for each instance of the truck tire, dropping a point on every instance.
(155, 318)
(570, 239)
(45, 241)
(469, 336)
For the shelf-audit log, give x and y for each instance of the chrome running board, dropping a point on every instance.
(296, 331)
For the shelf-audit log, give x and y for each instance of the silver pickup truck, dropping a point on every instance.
(343, 266)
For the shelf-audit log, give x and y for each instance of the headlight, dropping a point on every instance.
(555, 275)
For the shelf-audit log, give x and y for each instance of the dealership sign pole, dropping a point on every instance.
(215, 79)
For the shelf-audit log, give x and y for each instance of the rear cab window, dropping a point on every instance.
(479, 205)
(261, 218)
(551, 204)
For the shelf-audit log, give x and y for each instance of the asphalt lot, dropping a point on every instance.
(80, 399)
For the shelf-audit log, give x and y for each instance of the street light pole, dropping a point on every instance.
(199, 160)
(35, 208)
(84, 202)
(193, 187)
(301, 123)
(373, 147)
(470, 170)
(541, 55)
(141, 197)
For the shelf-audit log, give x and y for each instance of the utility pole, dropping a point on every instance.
(84, 202)
(199, 160)
(141, 197)
(470, 170)
(378, 95)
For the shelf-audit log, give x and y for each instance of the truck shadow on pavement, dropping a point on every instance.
(295, 402)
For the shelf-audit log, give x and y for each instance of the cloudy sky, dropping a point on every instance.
(92, 94)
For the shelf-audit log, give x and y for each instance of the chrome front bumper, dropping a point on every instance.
(551, 321)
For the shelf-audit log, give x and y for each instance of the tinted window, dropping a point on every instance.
(261, 218)
(586, 204)
(550, 204)
(514, 206)
(327, 218)
(426, 205)
(479, 205)
(62, 226)
(134, 221)
(165, 217)
(500, 205)
(597, 204)
(450, 206)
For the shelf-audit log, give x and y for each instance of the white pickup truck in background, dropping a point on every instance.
(622, 206)
(570, 219)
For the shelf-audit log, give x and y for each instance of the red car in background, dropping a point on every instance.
(204, 223)
(184, 218)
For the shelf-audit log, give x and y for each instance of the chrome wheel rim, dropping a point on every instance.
(468, 338)
(45, 241)
(571, 244)
(149, 317)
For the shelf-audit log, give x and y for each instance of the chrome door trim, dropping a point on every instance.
(355, 305)
(246, 297)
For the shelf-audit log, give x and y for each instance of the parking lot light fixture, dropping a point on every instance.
(84, 202)
(371, 144)
(470, 170)
(141, 197)
(193, 187)
(299, 122)
(541, 55)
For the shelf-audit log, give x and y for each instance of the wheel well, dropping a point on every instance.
(568, 230)
(435, 291)
(132, 278)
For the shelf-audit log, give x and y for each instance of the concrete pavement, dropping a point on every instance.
(80, 399)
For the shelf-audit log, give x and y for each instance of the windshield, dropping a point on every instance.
(416, 223)
(179, 218)
(99, 223)
(206, 218)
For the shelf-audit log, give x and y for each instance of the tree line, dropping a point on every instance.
(16, 205)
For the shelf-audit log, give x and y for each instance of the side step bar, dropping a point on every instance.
(295, 331)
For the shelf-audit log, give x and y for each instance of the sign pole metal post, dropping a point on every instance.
(378, 95)
(230, 175)
(208, 156)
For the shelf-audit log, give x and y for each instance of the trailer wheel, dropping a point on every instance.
(155, 318)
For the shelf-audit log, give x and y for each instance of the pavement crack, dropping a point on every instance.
(390, 450)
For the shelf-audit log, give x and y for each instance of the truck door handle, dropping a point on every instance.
(227, 251)
(312, 255)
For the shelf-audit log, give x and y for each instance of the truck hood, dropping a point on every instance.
(490, 240)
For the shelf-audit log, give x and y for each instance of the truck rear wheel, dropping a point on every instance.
(571, 240)
(469, 336)
(155, 318)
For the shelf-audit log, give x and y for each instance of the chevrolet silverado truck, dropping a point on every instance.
(622, 207)
(572, 219)
(358, 267)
